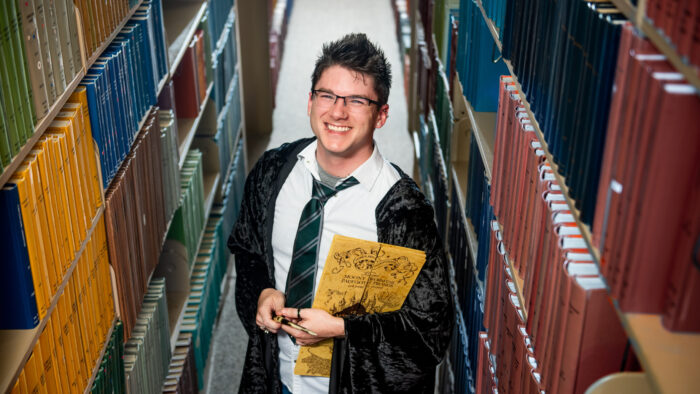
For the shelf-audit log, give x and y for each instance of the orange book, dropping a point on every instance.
(73, 113)
(79, 96)
(65, 191)
(23, 178)
(75, 335)
(20, 386)
(48, 208)
(34, 374)
(69, 345)
(77, 168)
(45, 347)
(59, 350)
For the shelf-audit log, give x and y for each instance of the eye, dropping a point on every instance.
(358, 101)
(326, 96)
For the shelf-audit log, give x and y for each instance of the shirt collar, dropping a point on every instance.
(367, 173)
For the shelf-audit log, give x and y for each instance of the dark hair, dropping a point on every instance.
(357, 53)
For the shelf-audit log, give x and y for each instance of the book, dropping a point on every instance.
(20, 311)
(359, 277)
(34, 59)
(595, 341)
(60, 69)
(185, 81)
(24, 180)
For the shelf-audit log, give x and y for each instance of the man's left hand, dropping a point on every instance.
(316, 320)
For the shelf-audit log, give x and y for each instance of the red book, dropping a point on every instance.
(500, 147)
(495, 283)
(618, 191)
(666, 184)
(576, 264)
(682, 34)
(201, 64)
(544, 182)
(623, 92)
(483, 379)
(186, 81)
(595, 342)
(554, 204)
(684, 287)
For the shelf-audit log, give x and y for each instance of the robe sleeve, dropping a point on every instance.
(246, 242)
(398, 351)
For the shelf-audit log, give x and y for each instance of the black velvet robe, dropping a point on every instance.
(381, 353)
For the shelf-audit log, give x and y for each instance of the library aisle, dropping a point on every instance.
(312, 23)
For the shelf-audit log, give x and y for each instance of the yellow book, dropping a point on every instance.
(359, 277)
(74, 170)
(83, 369)
(21, 384)
(72, 113)
(35, 246)
(83, 301)
(31, 371)
(55, 145)
(79, 96)
(62, 363)
(69, 345)
(67, 220)
(48, 208)
(47, 354)
(40, 365)
(94, 298)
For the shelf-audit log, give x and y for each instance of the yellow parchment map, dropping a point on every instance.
(359, 277)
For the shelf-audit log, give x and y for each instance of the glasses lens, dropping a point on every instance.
(325, 99)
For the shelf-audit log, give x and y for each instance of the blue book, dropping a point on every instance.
(90, 84)
(18, 309)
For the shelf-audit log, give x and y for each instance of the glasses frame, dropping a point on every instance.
(345, 102)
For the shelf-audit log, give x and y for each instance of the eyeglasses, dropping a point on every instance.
(326, 99)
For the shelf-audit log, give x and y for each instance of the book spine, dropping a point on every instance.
(19, 311)
(34, 60)
(65, 38)
(20, 61)
(58, 63)
(40, 13)
(10, 88)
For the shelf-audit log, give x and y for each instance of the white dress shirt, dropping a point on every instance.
(351, 212)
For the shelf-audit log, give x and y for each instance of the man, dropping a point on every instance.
(358, 194)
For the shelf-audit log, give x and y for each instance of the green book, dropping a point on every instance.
(5, 153)
(8, 79)
(22, 70)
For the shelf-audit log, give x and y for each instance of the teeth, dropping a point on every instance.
(337, 128)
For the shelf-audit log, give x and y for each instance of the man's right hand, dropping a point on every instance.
(270, 302)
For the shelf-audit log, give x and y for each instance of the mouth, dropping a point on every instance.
(337, 128)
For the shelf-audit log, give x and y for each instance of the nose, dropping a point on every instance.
(339, 108)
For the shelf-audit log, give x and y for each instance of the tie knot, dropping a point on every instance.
(323, 192)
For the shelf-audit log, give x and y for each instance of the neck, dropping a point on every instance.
(339, 166)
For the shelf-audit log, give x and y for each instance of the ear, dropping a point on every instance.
(382, 116)
(308, 105)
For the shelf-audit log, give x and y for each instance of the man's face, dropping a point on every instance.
(343, 132)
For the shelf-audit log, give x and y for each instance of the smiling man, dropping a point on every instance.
(296, 198)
